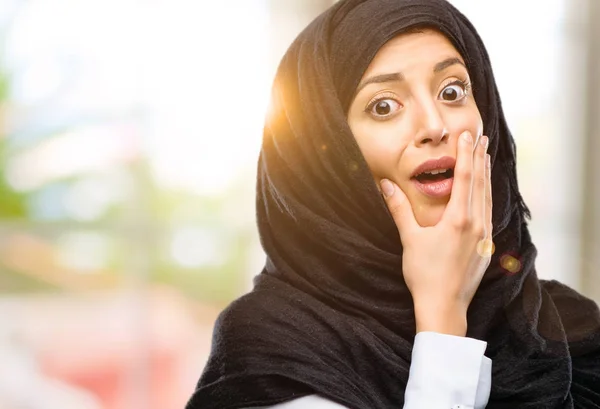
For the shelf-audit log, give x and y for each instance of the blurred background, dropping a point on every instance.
(129, 135)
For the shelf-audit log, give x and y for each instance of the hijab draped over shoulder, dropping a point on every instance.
(330, 313)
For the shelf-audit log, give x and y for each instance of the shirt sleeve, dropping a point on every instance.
(447, 371)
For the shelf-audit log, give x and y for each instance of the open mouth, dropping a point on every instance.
(434, 175)
(435, 183)
(434, 178)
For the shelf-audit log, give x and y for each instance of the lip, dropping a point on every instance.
(439, 189)
(445, 162)
(435, 189)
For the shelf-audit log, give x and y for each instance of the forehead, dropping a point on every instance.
(415, 50)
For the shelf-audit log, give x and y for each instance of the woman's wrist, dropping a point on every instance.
(444, 319)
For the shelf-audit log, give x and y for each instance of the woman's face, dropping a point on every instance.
(411, 105)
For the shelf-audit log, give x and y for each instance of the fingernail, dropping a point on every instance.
(484, 140)
(466, 135)
(387, 187)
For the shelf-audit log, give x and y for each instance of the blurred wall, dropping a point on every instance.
(590, 118)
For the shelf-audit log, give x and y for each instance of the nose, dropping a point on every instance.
(430, 124)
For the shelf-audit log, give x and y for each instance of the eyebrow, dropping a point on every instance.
(448, 62)
(398, 76)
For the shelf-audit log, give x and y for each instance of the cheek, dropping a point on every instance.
(382, 146)
(467, 119)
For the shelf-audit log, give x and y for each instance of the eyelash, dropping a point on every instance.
(465, 84)
(381, 97)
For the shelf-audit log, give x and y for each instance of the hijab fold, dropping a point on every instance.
(330, 313)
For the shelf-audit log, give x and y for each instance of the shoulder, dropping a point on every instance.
(258, 308)
(571, 305)
(247, 316)
(275, 303)
(269, 316)
(579, 314)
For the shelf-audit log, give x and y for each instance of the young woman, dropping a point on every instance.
(391, 281)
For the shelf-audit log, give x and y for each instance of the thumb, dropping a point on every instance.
(399, 206)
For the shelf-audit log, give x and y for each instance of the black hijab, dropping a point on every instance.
(330, 313)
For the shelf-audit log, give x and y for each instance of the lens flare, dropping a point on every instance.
(510, 263)
(485, 248)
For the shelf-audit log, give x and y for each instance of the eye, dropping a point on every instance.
(454, 91)
(383, 107)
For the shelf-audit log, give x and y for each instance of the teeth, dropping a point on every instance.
(435, 172)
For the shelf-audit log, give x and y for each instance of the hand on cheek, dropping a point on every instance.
(443, 264)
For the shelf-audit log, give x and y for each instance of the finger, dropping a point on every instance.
(399, 206)
(486, 246)
(489, 204)
(460, 199)
(478, 200)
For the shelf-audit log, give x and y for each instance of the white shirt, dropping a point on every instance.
(446, 372)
